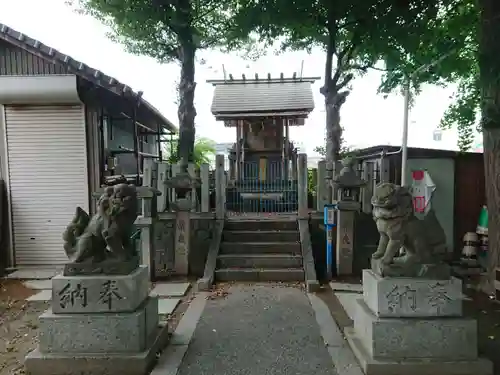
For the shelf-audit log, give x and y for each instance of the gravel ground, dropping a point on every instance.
(18, 325)
(258, 330)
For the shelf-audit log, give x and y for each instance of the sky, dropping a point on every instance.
(368, 118)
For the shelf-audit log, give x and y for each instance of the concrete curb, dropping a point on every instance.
(342, 356)
(312, 283)
(171, 359)
(205, 282)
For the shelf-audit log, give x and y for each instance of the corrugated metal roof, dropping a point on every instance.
(78, 68)
(262, 96)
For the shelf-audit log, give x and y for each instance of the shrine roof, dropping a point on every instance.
(291, 97)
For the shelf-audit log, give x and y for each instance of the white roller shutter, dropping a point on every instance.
(47, 159)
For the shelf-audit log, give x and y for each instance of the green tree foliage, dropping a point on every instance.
(204, 151)
(344, 150)
(169, 31)
(354, 35)
(443, 53)
(464, 38)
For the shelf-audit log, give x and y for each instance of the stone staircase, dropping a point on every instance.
(260, 251)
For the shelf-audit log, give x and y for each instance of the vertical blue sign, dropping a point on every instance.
(329, 221)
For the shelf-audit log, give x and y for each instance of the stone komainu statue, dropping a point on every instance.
(420, 244)
(107, 234)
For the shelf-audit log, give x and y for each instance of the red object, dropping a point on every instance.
(419, 204)
(418, 175)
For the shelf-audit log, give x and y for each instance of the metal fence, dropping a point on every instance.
(262, 189)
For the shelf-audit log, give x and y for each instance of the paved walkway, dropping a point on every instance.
(258, 330)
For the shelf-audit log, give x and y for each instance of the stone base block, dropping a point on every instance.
(423, 366)
(106, 267)
(100, 293)
(412, 297)
(398, 338)
(99, 333)
(38, 363)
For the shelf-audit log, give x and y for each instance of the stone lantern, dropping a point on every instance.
(349, 187)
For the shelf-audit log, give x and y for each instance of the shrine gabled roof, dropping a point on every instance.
(260, 97)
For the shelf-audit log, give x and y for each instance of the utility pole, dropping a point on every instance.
(406, 113)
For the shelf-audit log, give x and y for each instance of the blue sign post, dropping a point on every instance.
(329, 221)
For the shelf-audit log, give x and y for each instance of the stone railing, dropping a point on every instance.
(367, 170)
(176, 242)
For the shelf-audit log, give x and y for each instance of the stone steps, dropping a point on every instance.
(291, 248)
(262, 250)
(260, 225)
(263, 274)
(259, 261)
(263, 235)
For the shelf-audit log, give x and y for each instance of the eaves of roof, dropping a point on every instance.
(78, 68)
(262, 96)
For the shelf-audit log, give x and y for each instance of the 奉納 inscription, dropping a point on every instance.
(402, 296)
(438, 296)
(70, 295)
(109, 293)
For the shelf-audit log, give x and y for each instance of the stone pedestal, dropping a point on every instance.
(414, 326)
(99, 325)
(345, 232)
(182, 239)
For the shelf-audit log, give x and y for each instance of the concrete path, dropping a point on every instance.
(257, 330)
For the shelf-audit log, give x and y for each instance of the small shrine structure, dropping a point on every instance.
(262, 175)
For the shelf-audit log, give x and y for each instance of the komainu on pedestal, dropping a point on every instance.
(409, 320)
(102, 320)
(408, 246)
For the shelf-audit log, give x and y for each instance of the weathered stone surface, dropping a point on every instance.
(99, 333)
(164, 245)
(106, 267)
(182, 239)
(345, 249)
(414, 269)
(412, 297)
(398, 338)
(421, 241)
(99, 293)
(166, 306)
(170, 289)
(38, 363)
(414, 366)
(42, 295)
(106, 236)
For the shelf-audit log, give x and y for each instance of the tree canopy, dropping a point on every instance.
(443, 53)
(170, 31)
(354, 35)
(461, 46)
(204, 151)
(156, 28)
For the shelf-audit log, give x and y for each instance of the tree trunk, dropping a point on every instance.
(333, 103)
(491, 145)
(186, 112)
(489, 68)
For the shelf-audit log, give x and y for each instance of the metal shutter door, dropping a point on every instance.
(47, 159)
